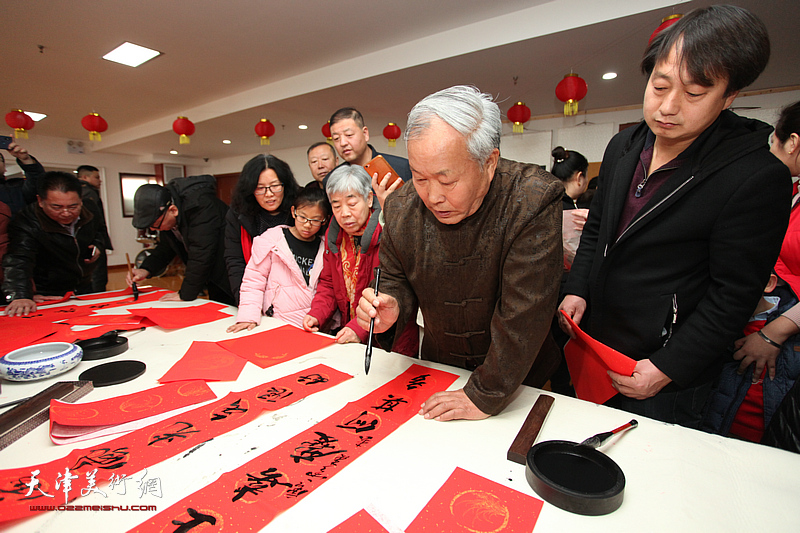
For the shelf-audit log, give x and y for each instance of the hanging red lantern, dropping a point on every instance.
(519, 114)
(570, 90)
(95, 125)
(392, 132)
(265, 130)
(21, 123)
(666, 22)
(326, 131)
(183, 127)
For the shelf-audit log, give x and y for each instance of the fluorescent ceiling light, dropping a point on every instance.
(226, 141)
(131, 54)
(609, 75)
(173, 152)
(302, 127)
(35, 116)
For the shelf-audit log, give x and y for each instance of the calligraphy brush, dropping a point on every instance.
(133, 283)
(368, 355)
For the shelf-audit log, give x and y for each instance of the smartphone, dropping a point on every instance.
(382, 167)
(5, 141)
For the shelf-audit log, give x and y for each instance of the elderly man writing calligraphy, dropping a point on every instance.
(476, 243)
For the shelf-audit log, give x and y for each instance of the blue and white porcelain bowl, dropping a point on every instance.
(40, 361)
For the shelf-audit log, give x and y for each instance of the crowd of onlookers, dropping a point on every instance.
(684, 256)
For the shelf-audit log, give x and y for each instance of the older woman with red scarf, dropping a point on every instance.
(351, 256)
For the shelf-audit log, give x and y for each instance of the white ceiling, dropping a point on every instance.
(227, 64)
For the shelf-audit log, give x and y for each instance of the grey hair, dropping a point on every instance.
(471, 113)
(349, 179)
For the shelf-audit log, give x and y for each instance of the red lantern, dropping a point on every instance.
(519, 114)
(183, 127)
(570, 90)
(326, 131)
(95, 125)
(392, 133)
(666, 22)
(20, 122)
(265, 130)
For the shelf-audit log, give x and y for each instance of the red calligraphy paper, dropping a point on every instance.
(207, 361)
(361, 522)
(588, 361)
(468, 503)
(182, 317)
(80, 419)
(276, 345)
(99, 320)
(152, 444)
(18, 332)
(249, 497)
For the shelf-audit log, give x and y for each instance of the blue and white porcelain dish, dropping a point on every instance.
(40, 361)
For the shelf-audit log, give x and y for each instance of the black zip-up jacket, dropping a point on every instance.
(201, 224)
(42, 251)
(682, 279)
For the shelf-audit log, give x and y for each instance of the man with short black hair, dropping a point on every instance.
(687, 222)
(90, 194)
(54, 245)
(190, 220)
(351, 140)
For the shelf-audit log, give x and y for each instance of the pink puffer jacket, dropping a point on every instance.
(272, 278)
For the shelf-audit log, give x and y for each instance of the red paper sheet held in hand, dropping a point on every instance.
(207, 361)
(276, 345)
(589, 360)
(468, 503)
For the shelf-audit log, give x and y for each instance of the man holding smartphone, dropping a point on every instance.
(351, 139)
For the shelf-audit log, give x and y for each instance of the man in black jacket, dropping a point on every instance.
(54, 245)
(90, 194)
(687, 221)
(191, 222)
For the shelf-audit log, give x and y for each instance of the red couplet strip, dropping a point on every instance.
(282, 476)
(21, 487)
(130, 407)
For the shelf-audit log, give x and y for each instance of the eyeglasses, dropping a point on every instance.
(303, 220)
(262, 189)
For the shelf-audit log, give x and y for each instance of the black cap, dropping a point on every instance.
(149, 203)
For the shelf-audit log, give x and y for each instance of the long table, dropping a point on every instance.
(678, 479)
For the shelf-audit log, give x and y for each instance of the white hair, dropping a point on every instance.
(471, 113)
(349, 179)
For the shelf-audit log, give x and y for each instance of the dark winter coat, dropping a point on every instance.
(681, 281)
(201, 224)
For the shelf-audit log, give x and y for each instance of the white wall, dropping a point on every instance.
(587, 134)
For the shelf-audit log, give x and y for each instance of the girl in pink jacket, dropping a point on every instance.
(281, 277)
